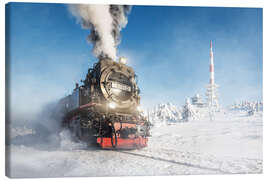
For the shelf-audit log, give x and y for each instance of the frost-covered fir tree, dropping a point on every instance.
(248, 106)
(188, 112)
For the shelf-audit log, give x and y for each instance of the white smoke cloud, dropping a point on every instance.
(105, 23)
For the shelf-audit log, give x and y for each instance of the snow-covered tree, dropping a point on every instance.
(188, 112)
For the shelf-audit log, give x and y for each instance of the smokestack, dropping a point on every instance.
(212, 73)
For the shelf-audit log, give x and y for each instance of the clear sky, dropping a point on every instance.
(167, 46)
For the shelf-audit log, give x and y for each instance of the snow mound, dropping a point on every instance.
(21, 131)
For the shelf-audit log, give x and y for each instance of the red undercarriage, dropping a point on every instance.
(122, 143)
(131, 142)
(134, 143)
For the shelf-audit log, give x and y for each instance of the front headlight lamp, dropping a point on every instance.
(112, 105)
(139, 108)
(123, 60)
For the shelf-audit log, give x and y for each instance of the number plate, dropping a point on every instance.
(120, 86)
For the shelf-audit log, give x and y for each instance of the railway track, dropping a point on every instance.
(195, 160)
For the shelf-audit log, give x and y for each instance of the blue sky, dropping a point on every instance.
(167, 46)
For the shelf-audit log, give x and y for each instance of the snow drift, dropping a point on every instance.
(231, 143)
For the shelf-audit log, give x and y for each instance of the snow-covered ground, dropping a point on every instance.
(230, 143)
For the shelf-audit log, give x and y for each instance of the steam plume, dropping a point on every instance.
(105, 23)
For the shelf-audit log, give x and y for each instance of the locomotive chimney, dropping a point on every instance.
(102, 58)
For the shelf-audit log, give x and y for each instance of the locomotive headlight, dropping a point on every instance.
(112, 105)
(139, 108)
(123, 60)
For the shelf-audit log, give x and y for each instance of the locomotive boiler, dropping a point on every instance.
(105, 109)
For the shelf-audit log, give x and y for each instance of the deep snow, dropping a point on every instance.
(231, 143)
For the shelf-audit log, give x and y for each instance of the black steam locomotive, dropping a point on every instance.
(105, 108)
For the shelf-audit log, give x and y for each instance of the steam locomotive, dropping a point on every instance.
(104, 110)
